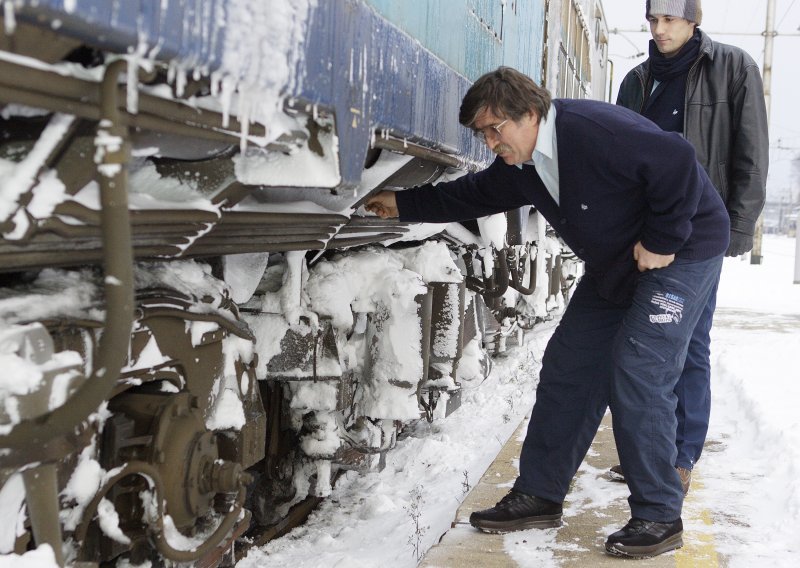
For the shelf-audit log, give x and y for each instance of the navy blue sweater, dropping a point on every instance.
(621, 180)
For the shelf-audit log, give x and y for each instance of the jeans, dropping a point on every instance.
(628, 357)
(694, 390)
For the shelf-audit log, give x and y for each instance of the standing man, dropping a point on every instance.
(711, 93)
(633, 203)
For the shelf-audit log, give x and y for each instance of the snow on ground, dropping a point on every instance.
(746, 493)
(745, 497)
(751, 467)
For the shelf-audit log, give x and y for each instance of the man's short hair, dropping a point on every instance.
(505, 92)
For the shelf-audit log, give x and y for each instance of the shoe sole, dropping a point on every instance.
(502, 527)
(614, 476)
(672, 543)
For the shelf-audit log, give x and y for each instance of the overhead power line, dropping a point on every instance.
(786, 13)
(644, 30)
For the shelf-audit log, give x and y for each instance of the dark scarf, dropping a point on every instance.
(664, 106)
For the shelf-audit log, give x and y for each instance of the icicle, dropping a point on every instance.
(227, 88)
(292, 286)
(245, 109)
(9, 17)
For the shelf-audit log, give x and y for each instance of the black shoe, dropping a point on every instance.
(616, 474)
(518, 511)
(643, 539)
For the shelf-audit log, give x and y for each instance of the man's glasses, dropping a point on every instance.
(481, 134)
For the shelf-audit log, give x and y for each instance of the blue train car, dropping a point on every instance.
(199, 318)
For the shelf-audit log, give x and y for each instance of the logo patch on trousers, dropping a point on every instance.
(671, 306)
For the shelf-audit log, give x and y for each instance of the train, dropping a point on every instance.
(201, 326)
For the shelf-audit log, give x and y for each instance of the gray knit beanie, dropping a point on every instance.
(687, 9)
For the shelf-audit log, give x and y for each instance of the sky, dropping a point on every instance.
(721, 20)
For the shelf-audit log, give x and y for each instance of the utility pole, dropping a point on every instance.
(769, 37)
(797, 252)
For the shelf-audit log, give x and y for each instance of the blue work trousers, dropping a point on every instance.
(628, 357)
(694, 390)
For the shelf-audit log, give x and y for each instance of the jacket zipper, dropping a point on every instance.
(686, 92)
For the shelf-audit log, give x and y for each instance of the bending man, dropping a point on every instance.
(634, 204)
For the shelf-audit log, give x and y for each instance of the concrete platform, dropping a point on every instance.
(592, 510)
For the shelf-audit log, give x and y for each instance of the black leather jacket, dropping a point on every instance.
(725, 119)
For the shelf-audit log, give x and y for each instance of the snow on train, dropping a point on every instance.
(199, 326)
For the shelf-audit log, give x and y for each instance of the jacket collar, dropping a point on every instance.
(706, 45)
(706, 50)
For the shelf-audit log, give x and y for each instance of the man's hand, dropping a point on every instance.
(740, 243)
(646, 260)
(383, 204)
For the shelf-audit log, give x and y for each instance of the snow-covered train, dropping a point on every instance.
(199, 325)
